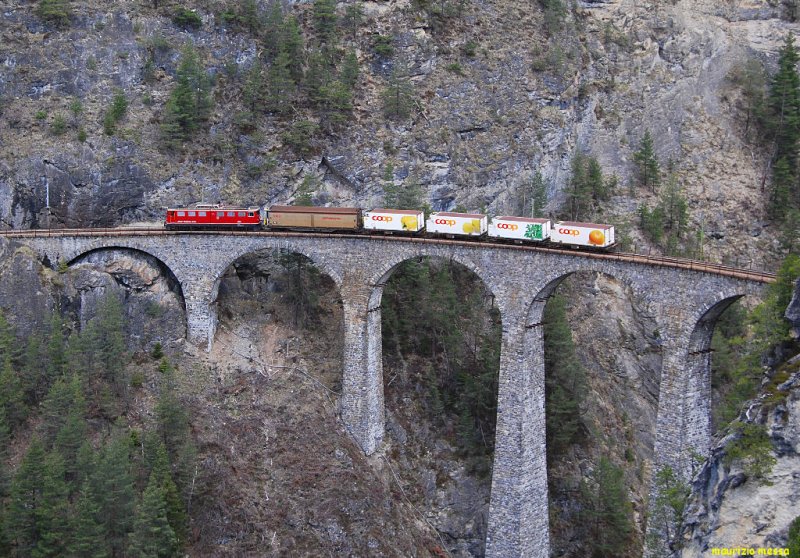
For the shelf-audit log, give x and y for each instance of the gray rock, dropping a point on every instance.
(793, 310)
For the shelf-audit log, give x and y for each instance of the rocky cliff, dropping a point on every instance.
(731, 508)
(793, 311)
(500, 92)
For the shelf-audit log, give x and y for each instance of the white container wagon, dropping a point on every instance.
(520, 228)
(396, 220)
(591, 235)
(459, 224)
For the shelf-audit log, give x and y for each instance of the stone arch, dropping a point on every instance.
(378, 280)
(533, 360)
(697, 409)
(316, 258)
(374, 327)
(254, 250)
(172, 277)
(551, 281)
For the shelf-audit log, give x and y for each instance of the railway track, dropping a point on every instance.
(644, 259)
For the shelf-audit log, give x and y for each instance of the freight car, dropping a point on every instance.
(353, 219)
(313, 218)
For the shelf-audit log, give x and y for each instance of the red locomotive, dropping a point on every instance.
(213, 216)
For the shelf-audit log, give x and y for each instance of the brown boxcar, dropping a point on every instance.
(301, 217)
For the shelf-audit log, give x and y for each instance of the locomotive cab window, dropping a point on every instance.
(249, 213)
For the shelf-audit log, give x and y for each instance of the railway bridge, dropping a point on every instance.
(685, 298)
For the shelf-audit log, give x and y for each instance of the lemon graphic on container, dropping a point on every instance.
(467, 228)
(476, 225)
(409, 222)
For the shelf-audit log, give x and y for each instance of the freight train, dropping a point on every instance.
(389, 221)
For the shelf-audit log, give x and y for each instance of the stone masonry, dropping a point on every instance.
(685, 304)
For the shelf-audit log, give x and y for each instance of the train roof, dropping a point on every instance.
(590, 225)
(466, 215)
(523, 219)
(397, 211)
(309, 209)
(213, 207)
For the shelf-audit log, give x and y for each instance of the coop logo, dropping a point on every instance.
(384, 218)
(569, 232)
(507, 226)
(448, 222)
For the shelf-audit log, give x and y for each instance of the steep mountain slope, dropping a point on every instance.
(501, 90)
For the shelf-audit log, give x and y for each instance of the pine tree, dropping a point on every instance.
(82, 352)
(53, 511)
(349, 70)
(5, 438)
(110, 339)
(113, 483)
(784, 107)
(72, 434)
(272, 28)
(12, 396)
(669, 504)
(609, 512)
(12, 389)
(647, 167)
(675, 209)
(64, 399)
(783, 123)
(279, 85)
(533, 196)
(152, 536)
(398, 97)
(325, 20)
(291, 45)
(319, 73)
(85, 463)
(336, 104)
(23, 520)
(793, 542)
(353, 16)
(174, 429)
(783, 183)
(565, 379)
(254, 90)
(579, 202)
(88, 534)
(176, 511)
(33, 375)
(190, 102)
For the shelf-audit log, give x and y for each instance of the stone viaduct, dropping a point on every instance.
(684, 302)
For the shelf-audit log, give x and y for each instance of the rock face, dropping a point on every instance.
(618, 347)
(492, 108)
(727, 509)
(793, 311)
